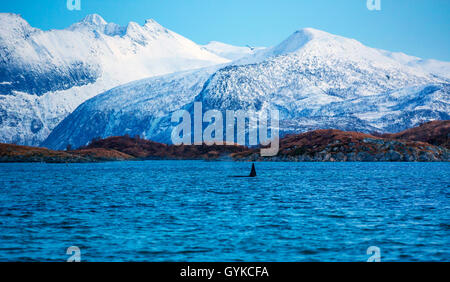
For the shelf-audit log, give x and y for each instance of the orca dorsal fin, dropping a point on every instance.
(253, 172)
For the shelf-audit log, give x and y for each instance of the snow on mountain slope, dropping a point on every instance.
(45, 75)
(324, 44)
(434, 67)
(315, 79)
(140, 107)
(309, 69)
(229, 51)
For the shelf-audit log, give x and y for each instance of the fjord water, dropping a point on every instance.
(194, 211)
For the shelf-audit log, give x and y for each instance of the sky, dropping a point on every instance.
(415, 27)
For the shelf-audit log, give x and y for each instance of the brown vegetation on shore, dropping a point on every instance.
(428, 142)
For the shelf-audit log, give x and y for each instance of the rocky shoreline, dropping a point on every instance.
(368, 150)
(11, 153)
(426, 143)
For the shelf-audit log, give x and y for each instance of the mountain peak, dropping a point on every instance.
(12, 16)
(154, 26)
(134, 29)
(151, 22)
(94, 19)
(305, 36)
(296, 41)
(12, 24)
(309, 31)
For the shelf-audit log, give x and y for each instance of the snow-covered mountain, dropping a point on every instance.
(315, 79)
(45, 75)
(140, 107)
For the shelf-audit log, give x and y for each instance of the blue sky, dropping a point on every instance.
(416, 27)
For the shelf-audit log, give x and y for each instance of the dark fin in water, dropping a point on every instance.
(253, 172)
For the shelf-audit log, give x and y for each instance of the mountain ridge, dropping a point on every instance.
(45, 75)
(314, 79)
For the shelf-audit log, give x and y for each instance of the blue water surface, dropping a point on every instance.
(194, 211)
